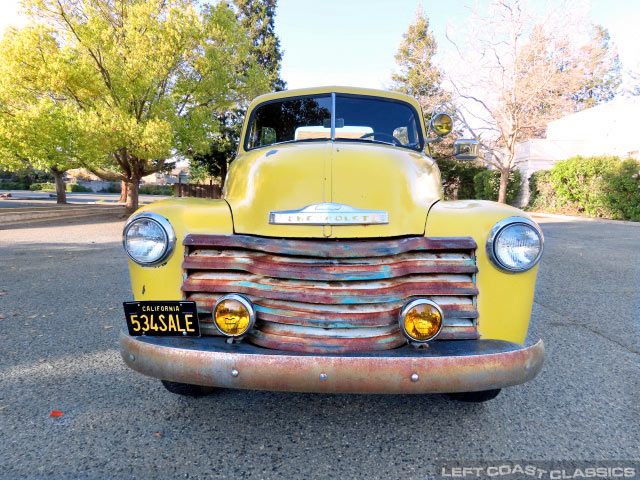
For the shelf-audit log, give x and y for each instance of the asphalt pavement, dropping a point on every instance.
(62, 284)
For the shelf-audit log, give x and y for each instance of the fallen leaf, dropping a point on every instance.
(2, 317)
(2, 293)
(56, 413)
(3, 407)
(158, 435)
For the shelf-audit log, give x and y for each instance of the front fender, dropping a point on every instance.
(186, 215)
(505, 299)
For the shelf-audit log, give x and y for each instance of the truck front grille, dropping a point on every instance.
(333, 296)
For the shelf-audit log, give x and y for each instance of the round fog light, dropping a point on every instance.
(421, 320)
(233, 315)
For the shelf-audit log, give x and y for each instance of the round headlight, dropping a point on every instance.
(421, 320)
(515, 244)
(148, 238)
(234, 315)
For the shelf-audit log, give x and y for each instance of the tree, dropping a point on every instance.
(518, 69)
(257, 18)
(419, 76)
(37, 130)
(144, 78)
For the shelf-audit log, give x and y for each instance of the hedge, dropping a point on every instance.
(487, 185)
(44, 187)
(596, 186)
(11, 185)
(457, 178)
(471, 180)
(156, 189)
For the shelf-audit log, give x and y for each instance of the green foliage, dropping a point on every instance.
(487, 185)
(457, 178)
(43, 187)
(11, 185)
(113, 188)
(596, 186)
(156, 189)
(127, 84)
(257, 18)
(76, 187)
(419, 76)
(540, 190)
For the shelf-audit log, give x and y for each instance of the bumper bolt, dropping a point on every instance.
(415, 377)
(234, 373)
(323, 376)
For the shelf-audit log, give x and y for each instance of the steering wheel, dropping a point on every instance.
(394, 140)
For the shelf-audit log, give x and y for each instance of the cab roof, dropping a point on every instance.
(337, 89)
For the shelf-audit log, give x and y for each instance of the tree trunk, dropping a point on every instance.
(123, 191)
(504, 181)
(61, 192)
(223, 173)
(132, 195)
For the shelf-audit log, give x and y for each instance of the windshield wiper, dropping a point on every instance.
(365, 140)
(300, 140)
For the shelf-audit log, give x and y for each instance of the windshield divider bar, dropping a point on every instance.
(333, 116)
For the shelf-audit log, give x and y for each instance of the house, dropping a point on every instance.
(177, 175)
(607, 129)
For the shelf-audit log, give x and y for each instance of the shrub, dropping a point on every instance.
(75, 187)
(622, 195)
(487, 185)
(156, 189)
(598, 186)
(457, 178)
(43, 187)
(113, 188)
(11, 185)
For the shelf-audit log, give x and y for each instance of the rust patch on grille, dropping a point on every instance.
(332, 248)
(329, 295)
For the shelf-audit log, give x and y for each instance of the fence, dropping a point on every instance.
(196, 190)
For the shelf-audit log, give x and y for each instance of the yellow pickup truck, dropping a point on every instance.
(333, 264)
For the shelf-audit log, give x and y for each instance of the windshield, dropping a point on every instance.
(357, 118)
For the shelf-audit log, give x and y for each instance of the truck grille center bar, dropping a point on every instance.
(333, 295)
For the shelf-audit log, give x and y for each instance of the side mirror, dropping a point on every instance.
(441, 124)
(466, 149)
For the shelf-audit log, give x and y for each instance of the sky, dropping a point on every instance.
(353, 42)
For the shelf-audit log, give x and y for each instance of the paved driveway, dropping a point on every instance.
(61, 290)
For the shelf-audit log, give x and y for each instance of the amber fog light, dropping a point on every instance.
(234, 315)
(421, 320)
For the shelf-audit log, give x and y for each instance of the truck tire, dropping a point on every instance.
(187, 389)
(475, 397)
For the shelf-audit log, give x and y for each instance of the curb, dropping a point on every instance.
(47, 213)
(583, 219)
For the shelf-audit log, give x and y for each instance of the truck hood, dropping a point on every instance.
(402, 183)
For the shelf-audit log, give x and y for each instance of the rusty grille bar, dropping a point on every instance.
(333, 295)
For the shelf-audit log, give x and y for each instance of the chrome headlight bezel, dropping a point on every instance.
(165, 226)
(499, 228)
(408, 307)
(246, 304)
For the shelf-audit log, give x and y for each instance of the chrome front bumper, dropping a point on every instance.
(443, 367)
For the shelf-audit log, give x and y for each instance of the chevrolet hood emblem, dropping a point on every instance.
(329, 214)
